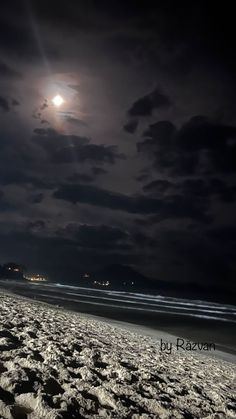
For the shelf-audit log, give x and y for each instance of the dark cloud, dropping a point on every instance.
(101, 197)
(194, 197)
(202, 134)
(98, 236)
(36, 198)
(52, 141)
(4, 205)
(15, 102)
(90, 152)
(144, 176)
(198, 146)
(93, 153)
(157, 186)
(75, 121)
(36, 226)
(200, 188)
(80, 177)
(162, 132)
(8, 72)
(36, 114)
(99, 171)
(131, 126)
(17, 177)
(143, 240)
(4, 105)
(145, 105)
(44, 105)
(175, 206)
(63, 148)
(226, 234)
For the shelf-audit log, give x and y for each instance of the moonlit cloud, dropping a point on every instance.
(118, 122)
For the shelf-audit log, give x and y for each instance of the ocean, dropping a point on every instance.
(193, 319)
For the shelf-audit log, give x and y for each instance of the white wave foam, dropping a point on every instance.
(139, 308)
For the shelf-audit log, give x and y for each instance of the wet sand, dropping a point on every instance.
(222, 333)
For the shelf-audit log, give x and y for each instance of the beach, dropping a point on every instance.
(147, 314)
(57, 364)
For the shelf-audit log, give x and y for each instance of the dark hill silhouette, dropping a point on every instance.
(124, 277)
(12, 270)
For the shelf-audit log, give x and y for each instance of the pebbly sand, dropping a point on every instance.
(58, 365)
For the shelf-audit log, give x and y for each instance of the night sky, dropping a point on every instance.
(138, 165)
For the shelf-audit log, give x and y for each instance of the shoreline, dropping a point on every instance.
(224, 353)
(159, 334)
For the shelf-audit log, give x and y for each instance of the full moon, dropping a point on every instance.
(58, 101)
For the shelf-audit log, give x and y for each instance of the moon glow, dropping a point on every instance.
(58, 101)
